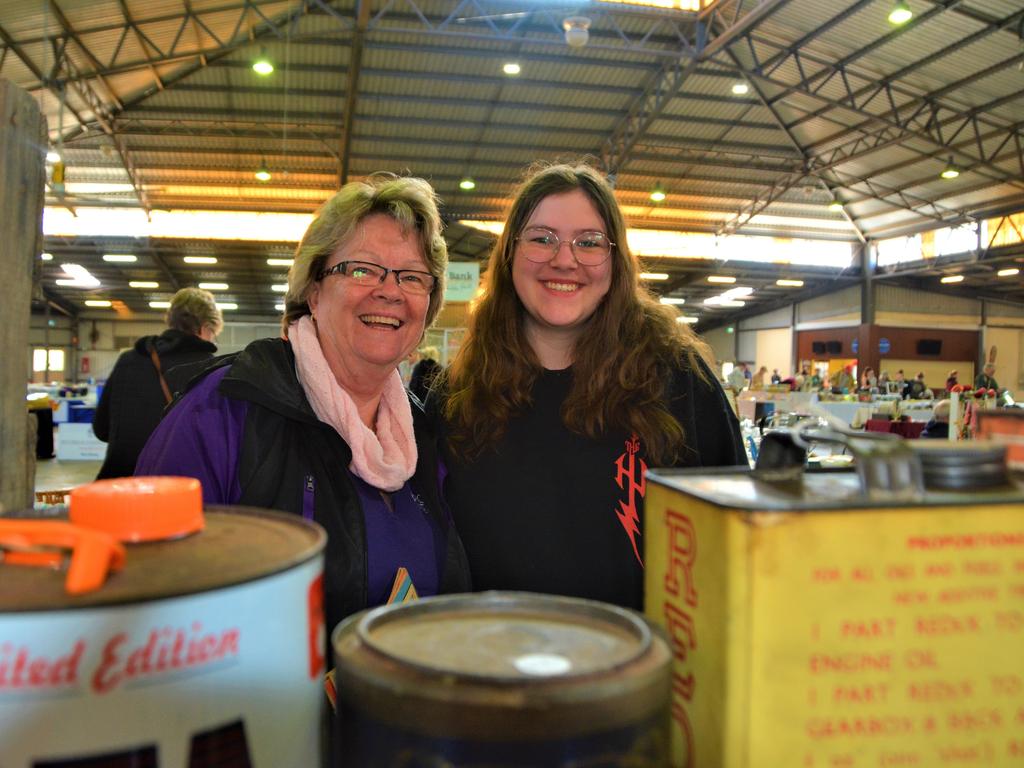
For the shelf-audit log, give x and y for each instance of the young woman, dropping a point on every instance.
(571, 382)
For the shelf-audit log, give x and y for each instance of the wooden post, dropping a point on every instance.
(22, 177)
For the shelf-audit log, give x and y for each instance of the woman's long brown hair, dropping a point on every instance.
(622, 361)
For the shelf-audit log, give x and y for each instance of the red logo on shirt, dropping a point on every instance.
(626, 477)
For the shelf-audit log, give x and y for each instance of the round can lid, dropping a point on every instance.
(134, 509)
(506, 636)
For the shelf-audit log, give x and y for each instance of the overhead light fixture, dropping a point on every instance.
(279, 262)
(53, 156)
(200, 259)
(900, 13)
(790, 283)
(44, 256)
(835, 206)
(279, 287)
(654, 275)
(279, 307)
(97, 303)
(263, 173)
(214, 286)
(159, 305)
(687, 319)
(952, 279)
(740, 89)
(226, 305)
(577, 31)
(143, 284)
(120, 258)
(671, 300)
(721, 301)
(511, 68)
(467, 184)
(658, 194)
(262, 65)
(950, 171)
(738, 292)
(721, 279)
(1008, 272)
(79, 276)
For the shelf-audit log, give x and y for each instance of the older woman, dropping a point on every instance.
(572, 380)
(318, 423)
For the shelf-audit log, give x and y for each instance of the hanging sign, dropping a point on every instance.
(463, 279)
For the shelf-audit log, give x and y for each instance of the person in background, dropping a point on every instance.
(902, 384)
(424, 372)
(757, 380)
(986, 379)
(918, 389)
(317, 423)
(144, 379)
(737, 378)
(868, 380)
(572, 380)
(844, 379)
(776, 379)
(938, 424)
(883, 382)
(814, 382)
(951, 381)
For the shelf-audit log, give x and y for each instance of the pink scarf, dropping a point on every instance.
(385, 458)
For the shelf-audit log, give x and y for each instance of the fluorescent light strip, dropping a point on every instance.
(279, 287)
(120, 258)
(790, 283)
(214, 286)
(720, 279)
(97, 303)
(279, 262)
(654, 276)
(279, 307)
(687, 319)
(227, 305)
(46, 256)
(952, 279)
(80, 277)
(671, 300)
(160, 304)
(200, 259)
(143, 284)
(1008, 272)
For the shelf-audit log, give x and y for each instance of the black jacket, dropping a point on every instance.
(133, 402)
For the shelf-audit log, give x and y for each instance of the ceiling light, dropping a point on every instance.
(279, 287)
(731, 303)
(200, 259)
(226, 305)
(46, 256)
(790, 283)
(654, 275)
(952, 279)
(740, 89)
(279, 307)
(143, 284)
(900, 13)
(80, 277)
(577, 31)
(511, 68)
(97, 303)
(737, 292)
(950, 171)
(720, 279)
(835, 206)
(263, 65)
(1008, 272)
(687, 319)
(160, 305)
(263, 173)
(53, 156)
(279, 262)
(214, 286)
(658, 194)
(120, 258)
(467, 184)
(671, 300)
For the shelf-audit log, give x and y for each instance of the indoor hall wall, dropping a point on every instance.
(768, 340)
(723, 344)
(832, 310)
(907, 308)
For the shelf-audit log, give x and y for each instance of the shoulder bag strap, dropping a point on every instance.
(156, 364)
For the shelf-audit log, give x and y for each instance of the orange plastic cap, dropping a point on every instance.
(138, 509)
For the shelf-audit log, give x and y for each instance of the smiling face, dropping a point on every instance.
(561, 295)
(365, 331)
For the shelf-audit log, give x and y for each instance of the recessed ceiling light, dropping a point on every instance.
(200, 259)
(123, 258)
(279, 262)
(97, 303)
(1008, 272)
(46, 256)
(143, 284)
(789, 283)
(214, 286)
(952, 279)
(671, 300)
(279, 287)
(740, 89)
(511, 68)
(227, 305)
(160, 304)
(654, 275)
(720, 279)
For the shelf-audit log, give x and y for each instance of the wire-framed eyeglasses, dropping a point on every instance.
(540, 244)
(412, 281)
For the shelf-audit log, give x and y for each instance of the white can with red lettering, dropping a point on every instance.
(201, 648)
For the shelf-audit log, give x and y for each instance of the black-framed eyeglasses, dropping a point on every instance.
(411, 281)
(540, 244)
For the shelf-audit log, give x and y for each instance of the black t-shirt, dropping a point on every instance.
(548, 510)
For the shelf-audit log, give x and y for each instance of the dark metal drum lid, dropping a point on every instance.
(510, 637)
(238, 545)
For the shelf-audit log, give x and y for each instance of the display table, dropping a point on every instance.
(908, 429)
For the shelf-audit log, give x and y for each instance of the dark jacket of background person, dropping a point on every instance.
(246, 430)
(935, 428)
(132, 401)
(423, 374)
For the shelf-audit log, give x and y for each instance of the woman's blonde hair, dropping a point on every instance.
(408, 200)
(622, 362)
(193, 309)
